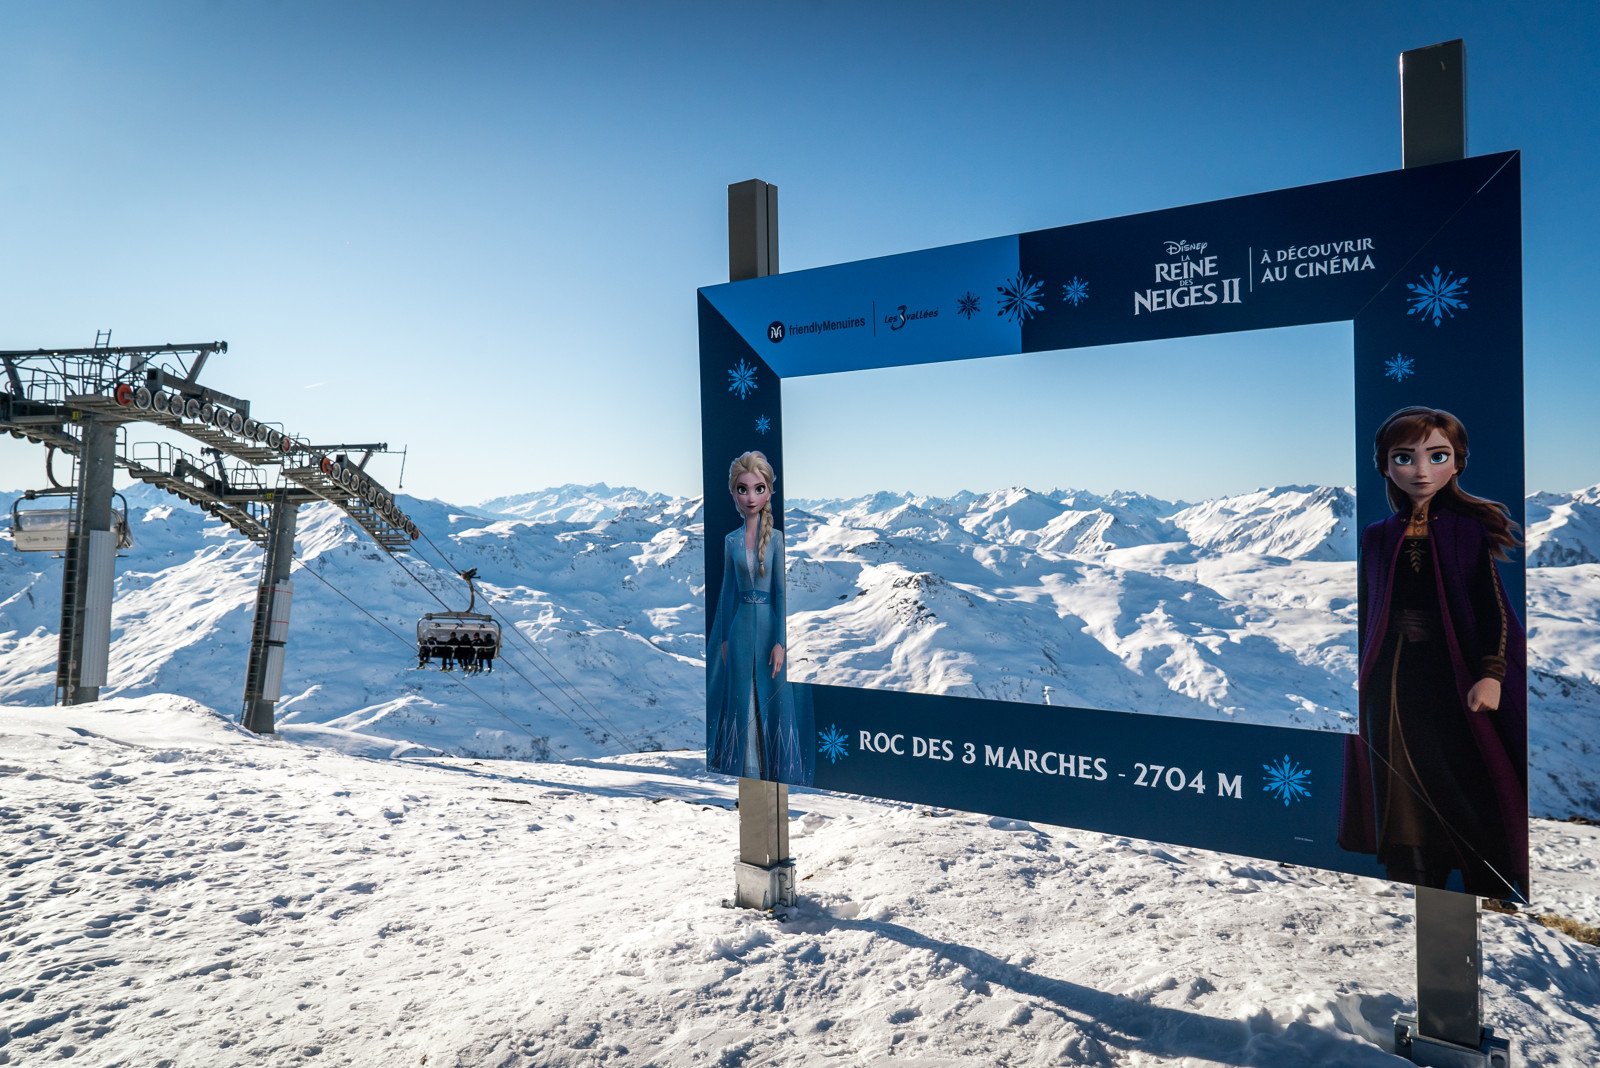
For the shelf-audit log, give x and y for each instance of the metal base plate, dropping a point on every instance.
(1492, 1052)
(757, 887)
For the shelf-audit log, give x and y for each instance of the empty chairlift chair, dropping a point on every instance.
(44, 526)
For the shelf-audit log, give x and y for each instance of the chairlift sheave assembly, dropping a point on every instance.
(45, 529)
(470, 639)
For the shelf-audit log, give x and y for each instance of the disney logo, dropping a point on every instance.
(1175, 247)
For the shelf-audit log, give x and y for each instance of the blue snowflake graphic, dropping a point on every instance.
(1287, 780)
(763, 424)
(1437, 296)
(1399, 367)
(833, 744)
(1075, 292)
(1019, 297)
(742, 379)
(967, 306)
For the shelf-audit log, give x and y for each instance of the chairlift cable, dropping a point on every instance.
(529, 642)
(601, 724)
(600, 721)
(578, 694)
(305, 566)
(574, 694)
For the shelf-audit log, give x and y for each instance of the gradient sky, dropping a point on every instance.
(477, 230)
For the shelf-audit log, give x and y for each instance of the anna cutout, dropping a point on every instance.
(1436, 781)
(758, 723)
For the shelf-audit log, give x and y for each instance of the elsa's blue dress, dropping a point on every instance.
(753, 725)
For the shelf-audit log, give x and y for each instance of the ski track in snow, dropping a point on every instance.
(178, 892)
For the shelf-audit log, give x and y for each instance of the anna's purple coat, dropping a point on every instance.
(1461, 553)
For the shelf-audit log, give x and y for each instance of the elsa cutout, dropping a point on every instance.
(754, 714)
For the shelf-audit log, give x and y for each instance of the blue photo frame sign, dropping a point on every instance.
(1427, 265)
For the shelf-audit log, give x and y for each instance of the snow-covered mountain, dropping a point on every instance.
(1240, 608)
(1294, 522)
(1564, 528)
(603, 629)
(573, 503)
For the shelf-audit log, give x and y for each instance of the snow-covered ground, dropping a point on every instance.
(177, 892)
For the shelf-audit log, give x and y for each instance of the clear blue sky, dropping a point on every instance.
(477, 229)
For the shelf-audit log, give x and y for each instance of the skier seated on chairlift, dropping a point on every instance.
(464, 655)
(427, 649)
(447, 653)
(485, 650)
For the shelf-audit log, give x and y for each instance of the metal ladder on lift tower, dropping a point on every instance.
(256, 667)
(74, 562)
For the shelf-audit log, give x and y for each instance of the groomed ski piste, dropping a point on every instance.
(180, 892)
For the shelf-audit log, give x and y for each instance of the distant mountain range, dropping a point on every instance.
(1295, 522)
(1564, 528)
(1240, 608)
(573, 503)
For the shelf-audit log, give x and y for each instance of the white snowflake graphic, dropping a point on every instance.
(763, 424)
(1075, 292)
(1399, 367)
(1287, 780)
(1019, 297)
(1437, 296)
(967, 306)
(833, 744)
(742, 379)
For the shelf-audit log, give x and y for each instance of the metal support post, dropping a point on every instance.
(763, 876)
(1447, 1030)
(88, 577)
(764, 873)
(1433, 104)
(269, 632)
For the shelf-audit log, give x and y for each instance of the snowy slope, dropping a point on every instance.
(179, 893)
(1240, 608)
(605, 655)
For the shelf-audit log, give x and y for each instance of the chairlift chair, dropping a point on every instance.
(46, 529)
(438, 627)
